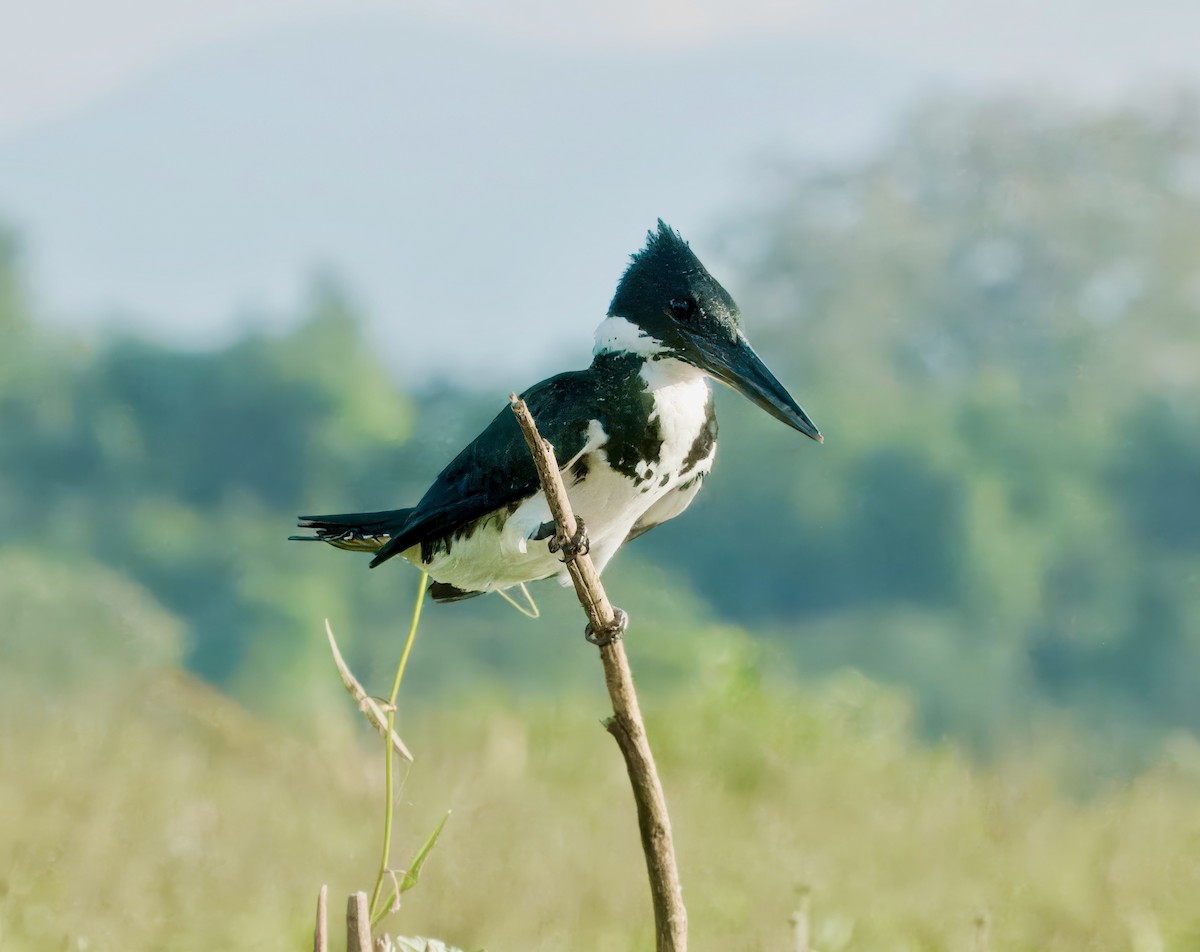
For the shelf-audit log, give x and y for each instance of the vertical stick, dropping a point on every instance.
(800, 923)
(321, 932)
(626, 725)
(358, 924)
(981, 931)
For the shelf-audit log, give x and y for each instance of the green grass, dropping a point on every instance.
(160, 815)
(141, 809)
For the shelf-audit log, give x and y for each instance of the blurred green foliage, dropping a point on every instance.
(994, 320)
(995, 323)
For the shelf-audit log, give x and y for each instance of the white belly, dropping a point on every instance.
(500, 553)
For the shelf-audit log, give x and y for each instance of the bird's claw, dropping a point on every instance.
(610, 633)
(575, 546)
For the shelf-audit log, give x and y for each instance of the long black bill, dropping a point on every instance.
(735, 363)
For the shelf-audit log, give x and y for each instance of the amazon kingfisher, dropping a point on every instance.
(635, 435)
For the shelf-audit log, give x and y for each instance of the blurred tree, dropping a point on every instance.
(993, 319)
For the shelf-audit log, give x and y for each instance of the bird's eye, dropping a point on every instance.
(683, 309)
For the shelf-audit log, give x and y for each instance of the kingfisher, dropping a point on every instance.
(635, 435)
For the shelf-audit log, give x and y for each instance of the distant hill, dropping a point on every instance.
(465, 188)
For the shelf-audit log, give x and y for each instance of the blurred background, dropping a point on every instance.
(267, 258)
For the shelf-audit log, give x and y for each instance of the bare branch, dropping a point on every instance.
(626, 725)
(372, 710)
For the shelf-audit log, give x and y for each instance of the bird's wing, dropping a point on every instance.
(495, 469)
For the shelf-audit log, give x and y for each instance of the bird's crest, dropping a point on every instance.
(666, 260)
(664, 245)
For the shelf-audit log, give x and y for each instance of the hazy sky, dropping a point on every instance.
(57, 54)
(470, 167)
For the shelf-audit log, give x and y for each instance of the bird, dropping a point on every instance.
(635, 434)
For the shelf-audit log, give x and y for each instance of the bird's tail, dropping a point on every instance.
(355, 531)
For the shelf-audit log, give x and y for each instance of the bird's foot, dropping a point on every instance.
(571, 548)
(610, 633)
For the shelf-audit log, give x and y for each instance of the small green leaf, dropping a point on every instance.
(414, 868)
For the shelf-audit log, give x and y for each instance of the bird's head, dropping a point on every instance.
(668, 305)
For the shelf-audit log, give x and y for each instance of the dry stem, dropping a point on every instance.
(321, 931)
(358, 924)
(372, 710)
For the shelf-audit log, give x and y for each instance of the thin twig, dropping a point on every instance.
(626, 725)
(372, 709)
(321, 932)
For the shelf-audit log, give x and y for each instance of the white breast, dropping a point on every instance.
(680, 406)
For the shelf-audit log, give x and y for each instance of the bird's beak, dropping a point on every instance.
(735, 363)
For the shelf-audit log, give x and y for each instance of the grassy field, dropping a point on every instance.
(142, 810)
